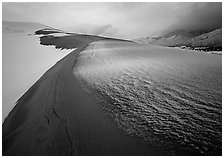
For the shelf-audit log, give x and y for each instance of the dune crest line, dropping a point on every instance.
(55, 117)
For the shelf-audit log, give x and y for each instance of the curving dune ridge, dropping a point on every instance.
(73, 88)
(55, 117)
(117, 97)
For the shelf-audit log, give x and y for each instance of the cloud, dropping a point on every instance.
(127, 20)
(199, 17)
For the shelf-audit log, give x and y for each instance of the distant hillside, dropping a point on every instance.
(174, 38)
(170, 39)
(211, 40)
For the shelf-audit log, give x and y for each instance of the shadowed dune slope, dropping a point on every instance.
(55, 117)
(72, 40)
(69, 41)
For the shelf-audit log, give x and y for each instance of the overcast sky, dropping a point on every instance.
(125, 20)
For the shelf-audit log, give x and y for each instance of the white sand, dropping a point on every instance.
(24, 61)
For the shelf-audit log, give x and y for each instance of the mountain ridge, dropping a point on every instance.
(211, 40)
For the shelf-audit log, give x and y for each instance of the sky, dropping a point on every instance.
(123, 20)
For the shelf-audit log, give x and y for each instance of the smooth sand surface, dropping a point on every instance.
(56, 117)
(24, 60)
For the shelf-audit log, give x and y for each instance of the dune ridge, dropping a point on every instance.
(55, 117)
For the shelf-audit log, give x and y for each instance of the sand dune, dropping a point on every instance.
(149, 90)
(55, 117)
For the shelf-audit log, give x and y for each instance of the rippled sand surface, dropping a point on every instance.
(170, 98)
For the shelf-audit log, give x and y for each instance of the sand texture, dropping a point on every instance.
(55, 116)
